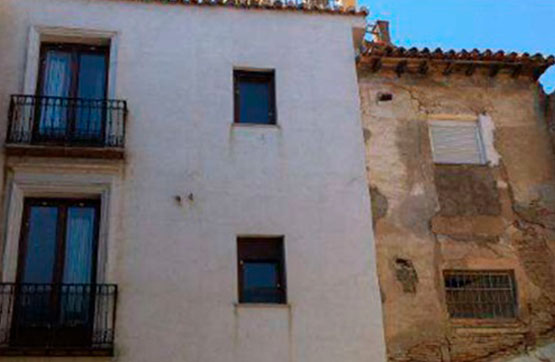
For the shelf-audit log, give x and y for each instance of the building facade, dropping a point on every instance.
(175, 182)
(461, 173)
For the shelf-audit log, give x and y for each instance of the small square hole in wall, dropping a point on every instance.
(385, 97)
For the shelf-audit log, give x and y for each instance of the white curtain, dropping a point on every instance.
(79, 245)
(56, 83)
(78, 265)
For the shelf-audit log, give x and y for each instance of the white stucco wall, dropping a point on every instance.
(176, 262)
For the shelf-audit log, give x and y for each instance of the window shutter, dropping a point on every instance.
(456, 142)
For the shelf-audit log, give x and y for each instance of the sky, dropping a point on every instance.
(508, 25)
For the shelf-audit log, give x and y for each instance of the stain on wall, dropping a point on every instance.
(465, 190)
(379, 204)
(406, 275)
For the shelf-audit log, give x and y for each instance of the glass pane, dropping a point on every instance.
(260, 282)
(78, 268)
(57, 74)
(41, 245)
(260, 275)
(79, 245)
(92, 87)
(254, 102)
(56, 83)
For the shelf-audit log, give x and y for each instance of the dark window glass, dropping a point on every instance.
(72, 71)
(79, 244)
(259, 282)
(254, 97)
(58, 230)
(480, 294)
(92, 85)
(41, 244)
(261, 270)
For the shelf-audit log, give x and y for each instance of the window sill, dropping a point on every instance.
(61, 151)
(481, 324)
(255, 125)
(56, 352)
(262, 306)
(467, 164)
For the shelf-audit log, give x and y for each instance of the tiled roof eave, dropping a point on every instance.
(276, 5)
(378, 56)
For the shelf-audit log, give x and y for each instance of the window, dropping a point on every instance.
(59, 241)
(72, 86)
(254, 97)
(480, 294)
(457, 142)
(261, 270)
(73, 70)
(56, 272)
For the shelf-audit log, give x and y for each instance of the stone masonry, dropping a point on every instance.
(432, 217)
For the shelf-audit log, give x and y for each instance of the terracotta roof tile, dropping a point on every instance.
(297, 5)
(377, 56)
(383, 50)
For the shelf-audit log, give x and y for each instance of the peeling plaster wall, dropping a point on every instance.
(436, 217)
(193, 181)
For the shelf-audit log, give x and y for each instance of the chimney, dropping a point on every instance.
(381, 32)
(349, 3)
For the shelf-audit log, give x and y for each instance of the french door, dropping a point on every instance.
(56, 273)
(72, 93)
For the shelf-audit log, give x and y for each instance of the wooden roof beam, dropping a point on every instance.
(449, 68)
(538, 71)
(470, 69)
(376, 65)
(423, 67)
(401, 68)
(517, 71)
(494, 70)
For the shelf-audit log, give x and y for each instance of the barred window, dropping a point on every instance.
(480, 294)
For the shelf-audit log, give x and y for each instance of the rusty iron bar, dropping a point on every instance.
(480, 294)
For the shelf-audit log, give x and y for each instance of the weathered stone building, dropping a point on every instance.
(461, 172)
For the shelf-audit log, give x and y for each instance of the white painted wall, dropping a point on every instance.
(304, 179)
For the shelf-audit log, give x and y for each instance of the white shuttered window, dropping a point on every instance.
(457, 142)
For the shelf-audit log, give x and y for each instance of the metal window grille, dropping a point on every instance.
(480, 294)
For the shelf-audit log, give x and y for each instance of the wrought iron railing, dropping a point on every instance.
(57, 318)
(41, 120)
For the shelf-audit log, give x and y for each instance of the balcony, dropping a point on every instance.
(57, 319)
(66, 127)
